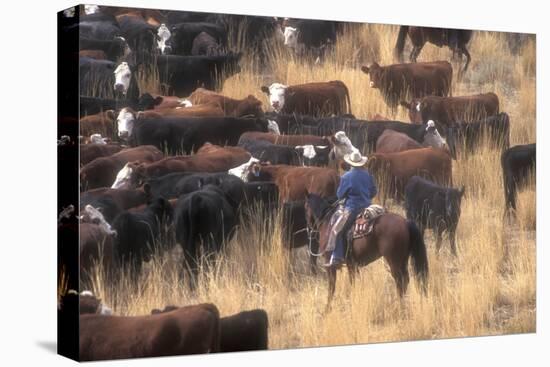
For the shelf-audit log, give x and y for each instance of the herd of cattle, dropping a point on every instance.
(187, 167)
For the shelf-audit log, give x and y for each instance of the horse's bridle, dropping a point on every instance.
(312, 233)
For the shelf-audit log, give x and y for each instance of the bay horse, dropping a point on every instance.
(436, 36)
(393, 238)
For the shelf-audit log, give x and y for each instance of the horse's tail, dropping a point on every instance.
(347, 99)
(418, 254)
(400, 44)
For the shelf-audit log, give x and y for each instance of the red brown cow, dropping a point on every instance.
(316, 99)
(211, 159)
(291, 140)
(445, 111)
(248, 106)
(94, 54)
(392, 142)
(89, 152)
(102, 172)
(393, 170)
(100, 123)
(294, 183)
(186, 330)
(410, 80)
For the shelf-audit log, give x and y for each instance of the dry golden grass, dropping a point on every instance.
(489, 289)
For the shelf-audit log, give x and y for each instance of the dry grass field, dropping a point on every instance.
(489, 289)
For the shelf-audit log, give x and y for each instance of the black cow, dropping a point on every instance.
(114, 48)
(517, 163)
(434, 207)
(314, 35)
(183, 35)
(193, 182)
(94, 105)
(205, 44)
(244, 331)
(470, 136)
(204, 216)
(97, 79)
(99, 29)
(137, 232)
(362, 133)
(189, 134)
(244, 196)
(183, 74)
(268, 152)
(141, 38)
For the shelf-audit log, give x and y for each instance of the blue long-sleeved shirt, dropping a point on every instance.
(359, 186)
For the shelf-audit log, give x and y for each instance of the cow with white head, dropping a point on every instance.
(125, 122)
(91, 9)
(243, 170)
(123, 77)
(277, 95)
(341, 146)
(313, 155)
(163, 35)
(93, 215)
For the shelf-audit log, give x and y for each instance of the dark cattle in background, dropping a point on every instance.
(97, 79)
(96, 247)
(112, 201)
(195, 181)
(249, 32)
(183, 74)
(204, 216)
(186, 330)
(406, 81)
(269, 152)
(188, 134)
(93, 105)
(468, 137)
(517, 163)
(455, 39)
(138, 232)
(89, 152)
(205, 44)
(114, 48)
(183, 35)
(99, 29)
(245, 331)
(315, 99)
(434, 207)
(362, 133)
(314, 36)
(445, 111)
(141, 37)
(291, 140)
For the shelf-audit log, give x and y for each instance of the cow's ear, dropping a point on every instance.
(110, 114)
(407, 105)
(365, 69)
(265, 89)
(158, 100)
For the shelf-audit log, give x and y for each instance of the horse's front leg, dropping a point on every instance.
(331, 286)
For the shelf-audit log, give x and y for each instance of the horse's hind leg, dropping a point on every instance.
(401, 276)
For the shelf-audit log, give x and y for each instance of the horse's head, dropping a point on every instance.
(317, 210)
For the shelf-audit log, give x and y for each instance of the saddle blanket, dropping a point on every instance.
(364, 222)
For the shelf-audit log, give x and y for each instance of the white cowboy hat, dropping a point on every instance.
(355, 159)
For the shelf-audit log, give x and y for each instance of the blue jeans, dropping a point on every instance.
(339, 251)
